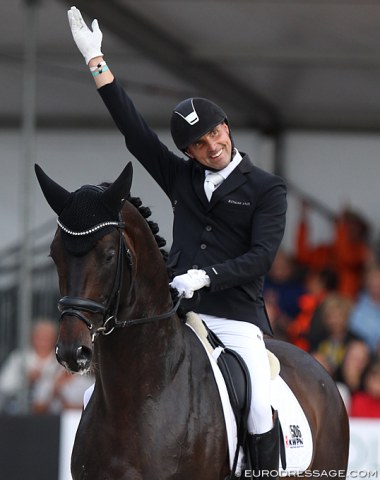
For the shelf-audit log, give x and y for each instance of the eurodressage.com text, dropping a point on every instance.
(313, 474)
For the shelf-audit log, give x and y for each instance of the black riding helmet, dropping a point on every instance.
(192, 118)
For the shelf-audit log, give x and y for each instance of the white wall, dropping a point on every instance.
(338, 169)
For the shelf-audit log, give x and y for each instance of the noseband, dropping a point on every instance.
(79, 306)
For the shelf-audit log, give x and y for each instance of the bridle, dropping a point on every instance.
(79, 306)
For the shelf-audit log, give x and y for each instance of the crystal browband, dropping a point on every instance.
(90, 230)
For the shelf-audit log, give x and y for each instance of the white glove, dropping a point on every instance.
(190, 281)
(89, 42)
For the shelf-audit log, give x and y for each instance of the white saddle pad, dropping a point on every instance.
(295, 427)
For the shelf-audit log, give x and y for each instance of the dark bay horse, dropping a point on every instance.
(155, 412)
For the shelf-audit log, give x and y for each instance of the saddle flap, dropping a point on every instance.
(238, 382)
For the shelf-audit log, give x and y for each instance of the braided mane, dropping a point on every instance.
(186, 304)
(146, 212)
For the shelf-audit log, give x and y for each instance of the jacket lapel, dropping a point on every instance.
(236, 178)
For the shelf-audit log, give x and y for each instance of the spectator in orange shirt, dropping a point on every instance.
(348, 253)
(318, 285)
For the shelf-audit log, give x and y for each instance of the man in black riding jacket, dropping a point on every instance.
(229, 219)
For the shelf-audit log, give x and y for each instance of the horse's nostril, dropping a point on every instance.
(84, 355)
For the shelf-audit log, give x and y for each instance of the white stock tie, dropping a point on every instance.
(212, 181)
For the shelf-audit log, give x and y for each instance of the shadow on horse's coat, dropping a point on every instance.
(155, 412)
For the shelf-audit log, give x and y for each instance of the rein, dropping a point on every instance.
(74, 306)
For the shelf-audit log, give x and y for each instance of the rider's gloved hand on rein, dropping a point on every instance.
(89, 42)
(190, 281)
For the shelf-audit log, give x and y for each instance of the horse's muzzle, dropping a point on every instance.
(75, 360)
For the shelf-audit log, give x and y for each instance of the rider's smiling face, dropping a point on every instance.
(214, 149)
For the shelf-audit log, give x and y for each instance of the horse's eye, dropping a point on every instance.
(110, 255)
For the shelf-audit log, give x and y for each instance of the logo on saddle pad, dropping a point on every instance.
(294, 439)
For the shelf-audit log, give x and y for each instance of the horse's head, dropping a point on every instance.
(90, 252)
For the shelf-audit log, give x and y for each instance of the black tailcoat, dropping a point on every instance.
(234, 237)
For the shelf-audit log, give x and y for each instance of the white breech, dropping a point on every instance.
(247, 339)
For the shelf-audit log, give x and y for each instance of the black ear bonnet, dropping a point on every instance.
(89, 213)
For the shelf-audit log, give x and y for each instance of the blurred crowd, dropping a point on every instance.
(325, 299)
(34, 379)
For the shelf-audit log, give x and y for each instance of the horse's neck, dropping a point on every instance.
(143, 356)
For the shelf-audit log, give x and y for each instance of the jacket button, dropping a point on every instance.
(208, 228)
(203, 246)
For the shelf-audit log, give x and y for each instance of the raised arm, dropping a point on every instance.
(140, 139)
(89, 43)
